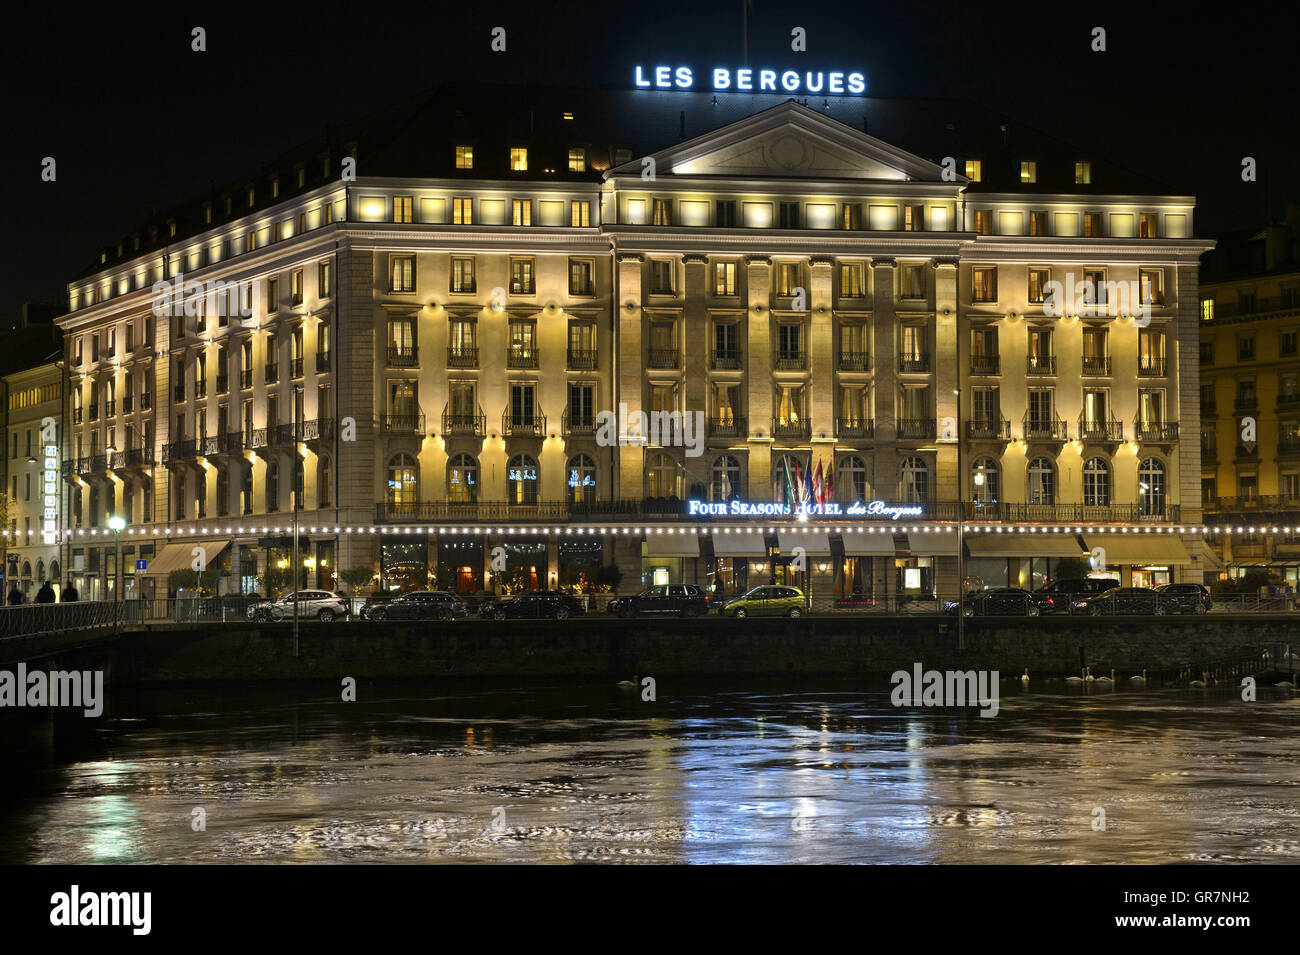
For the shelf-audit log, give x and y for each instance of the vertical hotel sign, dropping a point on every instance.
(50, 489)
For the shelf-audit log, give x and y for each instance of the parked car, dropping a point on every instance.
(373, 608)
(1186, 598)
(999, 602)
(1060, 595)
(684, 600)
(532, 604)
(766, 601)
(1121, 600)
(319, 604)
(422, 605)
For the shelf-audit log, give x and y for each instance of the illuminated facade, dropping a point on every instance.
(34, 450)
(428, 358)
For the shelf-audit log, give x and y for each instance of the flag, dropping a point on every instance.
(818, 490)
(830, 484)
(789, 485)
(800, 491)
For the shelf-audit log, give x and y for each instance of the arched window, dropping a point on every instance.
(986, 484)
(403, 480)
(914, 481)
(27, 568)
(786, 464)
(1151, 488)
(462, 479)
(272, 486)
(1096, 483)
(851, 484)
(40, 571)
(324, 481)
(582, 479)
(55, 570)
(725, 483)
(1042, 482)
(661, 476)
(521, 480)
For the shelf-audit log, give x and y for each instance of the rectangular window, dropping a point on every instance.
(403, 208)
(985, 284)
(851, 285)
(1038, 279)
(522, 212)
(661, 277)
(580, 214)
(913, 218)
(787, 279)
(577, 159)
(401, 273)
(725, 213)
(295, 287)
(1092, 224)
(1038, 223)
(1151, 284)
(272, 295)
(851, 216)
(521, 277)
(518, 159)
(724, 278)
(974, 169)
(580, 277)
(1028, 170)
(1082, 173)
(462, 274)
(662, 212)
(1094, 286)
(323, 276)
(1246, 347)
(464, 157)
(983, 222)
(1288, 342)
(462, 211)
(1149, 226)
(789, 215)
(911, 281)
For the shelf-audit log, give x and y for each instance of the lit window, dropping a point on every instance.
(581, 213)
(1082, 173)
(464, 157)
(973, 169)
(577, 160)
(519, 159)
(462, 211)
(1028, 170)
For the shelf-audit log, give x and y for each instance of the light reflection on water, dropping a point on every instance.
(706, 774)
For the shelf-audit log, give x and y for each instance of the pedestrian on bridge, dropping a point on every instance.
(46, 594)
(70, 594)
(15, 596)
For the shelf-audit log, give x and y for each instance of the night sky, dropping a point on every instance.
(136, 120)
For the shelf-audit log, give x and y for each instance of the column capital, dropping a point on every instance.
(883, 261)
(695, 258)
(821, 260)
(758, 260)
(629, 257)
(947, 260)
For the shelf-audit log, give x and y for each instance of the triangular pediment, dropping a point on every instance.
(789, 140)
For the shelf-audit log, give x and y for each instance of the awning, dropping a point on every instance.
(672, 545)
(1209, 559)
(1024, 545)
(862, 544)
(743, 544)
(181, 555)
(1157, 549)
(933, 543)
(813, 544)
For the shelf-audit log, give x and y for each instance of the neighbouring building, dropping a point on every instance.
(958, 339)
(34, 449)
(1250, 399)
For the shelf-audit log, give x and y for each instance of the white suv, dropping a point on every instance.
(312, 604)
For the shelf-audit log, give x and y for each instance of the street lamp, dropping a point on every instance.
(117, 524)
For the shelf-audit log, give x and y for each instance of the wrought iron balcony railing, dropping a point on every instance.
(581, 359)
(790, 360)
(1040, 365)
(318, 429)
(728, 426)
(128, 404)
(462, 356)
(322, 361)
(223, 384)
(1245, 403)
(918, 362)
(664, 358)
(517, 424)
(985, 364)
(295, 367)
(1044, 429)
(1155, 432)
(860, 428)
(1096, 367)
(1151, 367)
(461, 423)
(403, 356)
(915, 428)
(404, 423)
(521, 357)
(246, 378)
(854, 361)
(146, 401)
(725, 360)
(272, 373)
(988, 429)
(1100, 429)
(786, 427)
(577, 423)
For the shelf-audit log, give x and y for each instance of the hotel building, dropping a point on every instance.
(414, 362)
(1250, 399)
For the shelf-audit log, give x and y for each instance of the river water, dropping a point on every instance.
(707, 773)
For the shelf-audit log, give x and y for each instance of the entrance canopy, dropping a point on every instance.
(1157, 549)
(672, 545)
(862, 544)
(933, 543)
(738, 545)
(813, 544)
(1024, 545)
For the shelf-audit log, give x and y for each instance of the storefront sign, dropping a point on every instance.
(50, 482)
(696, 508)
(752, 80)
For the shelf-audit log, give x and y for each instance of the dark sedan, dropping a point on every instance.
(1186, 598)
(533, 604)
(1122, 600)
(423, 605)
(1001, 602)
(1060, 595)
(683, 600)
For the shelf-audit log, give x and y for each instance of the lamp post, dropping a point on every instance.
(117, 524)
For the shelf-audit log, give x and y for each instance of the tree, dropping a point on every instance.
(1068, 567)
(186, 578)
(358, 576)
(608, 578)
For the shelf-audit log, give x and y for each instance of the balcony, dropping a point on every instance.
(232, 442)
(1105, 431)
(915, 429)
(210, 447)
(581, 359)
(1288, 401)
(272, 373)
(789, 361)
(223, 384)
(664, 358)
(790, 428)
(729, 426)
(98, 463)
(916, 363)
(726, 360)
(859, 428)
(1154, 432)
(403, 356)
(1246, 403)
(988, 429)
(1096, 367)
(246, 378)
(254, 439)
(1255, 306)
(110, 408)
(521, 357)
(1288, 444)
(1251, 504)
(322, 361)
(572, 423)
(128, 404)
(295, 367)
(1040, 365)
(466, 424)
(520, 425)
(985, 364)
(146, 401)
(287, 434)
(76, 415)
(136, 458)
(1044, 429)
(1209, 447)
(94, 412)
(462, 357)
(200, 388)
(854, 361)
(1150, 367)
(318, 429)
(404, 423)
(179, 451)
(1210, 407)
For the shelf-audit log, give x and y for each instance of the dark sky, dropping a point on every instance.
(135, 119)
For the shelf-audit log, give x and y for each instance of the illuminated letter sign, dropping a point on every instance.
(748, 79)
(881, 509)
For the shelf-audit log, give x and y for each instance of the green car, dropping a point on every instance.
(765, 602)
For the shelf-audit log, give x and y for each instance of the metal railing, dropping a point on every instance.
(789, 361)
(733, 426)
(727, 360)
(403, 356)
(1096, 367)
(1152, 432)
(322, 361)
(914, 428)
(460, 423)
(1042, 429)
(988, 429)
(664, 358)
(855, 428)
(984, 364)
(577, 423)
(914, 363)
(1040, 365)
(408, 423)
(790, 428)
(521, 425)
(34, 620)
(318, 429)
(854, 361)
(462, 357)
(517, 357)
(1094, 429)
(272, 373)
(1151, 367)
(581, 359)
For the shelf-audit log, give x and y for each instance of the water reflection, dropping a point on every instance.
(422, 773)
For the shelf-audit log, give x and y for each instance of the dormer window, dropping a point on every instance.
(577, 160)
(974, 170)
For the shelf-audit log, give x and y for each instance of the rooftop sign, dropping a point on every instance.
(747, 79)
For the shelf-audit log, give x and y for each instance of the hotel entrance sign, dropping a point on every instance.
(752, 80)
(697, 508)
